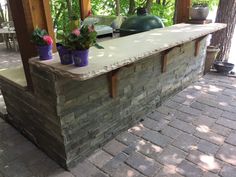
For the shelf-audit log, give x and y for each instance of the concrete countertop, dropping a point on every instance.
(14, 75)
(126, 50)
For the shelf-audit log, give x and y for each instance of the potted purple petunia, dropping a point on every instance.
(43, 42)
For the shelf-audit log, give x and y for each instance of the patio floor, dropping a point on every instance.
(9, 58)
(193, 134)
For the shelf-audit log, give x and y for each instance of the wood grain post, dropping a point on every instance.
(182, 11)
(112, 79)
(85, 7)
(27, 15)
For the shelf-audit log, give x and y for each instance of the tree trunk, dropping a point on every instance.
(58, 13)
(117, 7)
(9, 11)
(69, 7)
(1, 21)
(149, 5)
(131, 7)
(164, 3)
(1, 15)
(226, 14)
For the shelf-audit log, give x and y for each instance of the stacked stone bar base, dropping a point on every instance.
(69, 119)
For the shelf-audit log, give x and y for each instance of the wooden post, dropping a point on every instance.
(27, 15)
(182, 15)
(85, 8)
(40, 13)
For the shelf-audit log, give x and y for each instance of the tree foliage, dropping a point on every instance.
(162, 8)
(165, 9)
(210, 3)
(62, 11)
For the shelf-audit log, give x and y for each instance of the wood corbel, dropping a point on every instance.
(164, 60)
(112, 79)
(197, 45)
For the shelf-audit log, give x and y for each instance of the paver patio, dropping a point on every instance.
(9, 58)
(192, 134)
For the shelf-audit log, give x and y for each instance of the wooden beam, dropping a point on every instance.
(28, 14)
(164, 61)
(85, 8)
(182, 11)
(197, 45)
(23, 24)
(165, 54)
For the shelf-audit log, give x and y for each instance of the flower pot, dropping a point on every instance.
(212, 52)
(65, 55)
(80, 57)
(45, 52)
(223, 67)
(198, 12)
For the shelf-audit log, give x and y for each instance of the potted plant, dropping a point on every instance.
(80, 40)
(199, 10)
(63, 47)
(43, 42)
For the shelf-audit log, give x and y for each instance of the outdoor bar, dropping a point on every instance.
(73, 111)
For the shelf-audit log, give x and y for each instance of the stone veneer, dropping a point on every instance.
(69, 119)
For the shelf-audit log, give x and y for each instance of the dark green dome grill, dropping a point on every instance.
(140, 23)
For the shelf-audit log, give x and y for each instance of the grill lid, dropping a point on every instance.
(142, 22)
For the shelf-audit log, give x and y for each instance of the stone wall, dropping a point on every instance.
(35, 118)
(69, 119)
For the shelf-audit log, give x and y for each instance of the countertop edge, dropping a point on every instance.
(83, 77)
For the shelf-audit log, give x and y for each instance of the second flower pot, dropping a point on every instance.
(80, 57)
(65, 55)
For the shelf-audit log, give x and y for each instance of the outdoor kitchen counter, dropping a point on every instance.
(73, 111)
(127, 50)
